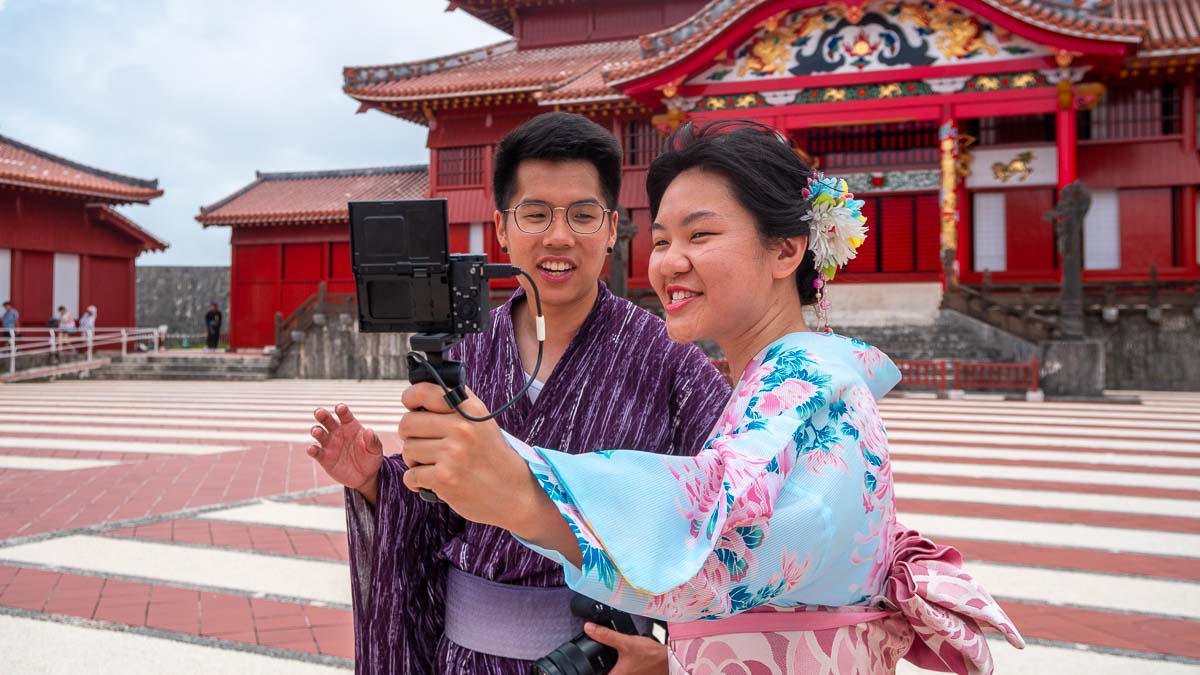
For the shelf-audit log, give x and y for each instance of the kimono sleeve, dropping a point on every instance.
(770, 507)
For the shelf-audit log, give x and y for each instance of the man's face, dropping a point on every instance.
(565, 263)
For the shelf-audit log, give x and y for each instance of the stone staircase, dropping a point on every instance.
(187, 365)
(951, 336)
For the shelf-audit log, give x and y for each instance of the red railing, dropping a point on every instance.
(923, 374)
(1008, 376)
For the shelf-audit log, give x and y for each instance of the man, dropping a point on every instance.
(436, 594)
(9, 321)
(212, 325)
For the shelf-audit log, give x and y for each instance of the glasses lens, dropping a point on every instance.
(585, 218)
(533, 218)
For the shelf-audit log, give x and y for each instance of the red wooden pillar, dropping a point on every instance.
(1189, 115)
(1066, 135)
(16, 287)
(949, 196)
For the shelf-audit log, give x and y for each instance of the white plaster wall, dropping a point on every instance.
(881, 304)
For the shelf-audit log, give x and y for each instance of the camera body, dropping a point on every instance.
(407, 279)
(583, 655)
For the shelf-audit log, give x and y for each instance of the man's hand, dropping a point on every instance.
(636, 655)
(349, 452)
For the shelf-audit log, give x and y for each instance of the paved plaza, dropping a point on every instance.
(150, 527)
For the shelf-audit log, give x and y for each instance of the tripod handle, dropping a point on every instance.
(452, 375)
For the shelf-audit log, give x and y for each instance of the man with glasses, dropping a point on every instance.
(436, 594)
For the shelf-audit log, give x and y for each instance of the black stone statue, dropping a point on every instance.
(618, 265)
(1067, 218)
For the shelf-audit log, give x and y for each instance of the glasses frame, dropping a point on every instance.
(554, 212)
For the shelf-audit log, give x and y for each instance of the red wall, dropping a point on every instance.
(1029, 239)
(35, 227)
(1153, 241)
(275, 269)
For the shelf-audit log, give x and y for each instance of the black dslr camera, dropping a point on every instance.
(409, 282)
(583, 655)
(407, 279)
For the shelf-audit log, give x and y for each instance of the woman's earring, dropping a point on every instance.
(610, 249)
(504, 249)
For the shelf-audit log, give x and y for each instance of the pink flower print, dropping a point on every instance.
(789, 395)
(793, 570)
(820, 460)
(870, 358)
(700, 484)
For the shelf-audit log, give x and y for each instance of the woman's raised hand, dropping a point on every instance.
(349, 452)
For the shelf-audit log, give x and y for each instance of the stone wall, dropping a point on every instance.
(1141, 354)
(178, 298)
(336, 350)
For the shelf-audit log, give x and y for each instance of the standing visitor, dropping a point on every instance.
(212, 327)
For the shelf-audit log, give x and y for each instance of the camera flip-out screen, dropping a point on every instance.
(400, 256)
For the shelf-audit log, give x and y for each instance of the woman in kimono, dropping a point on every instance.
(776, 549)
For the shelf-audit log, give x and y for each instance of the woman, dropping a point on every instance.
(783, 527)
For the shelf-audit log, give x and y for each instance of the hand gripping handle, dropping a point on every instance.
(452, 375)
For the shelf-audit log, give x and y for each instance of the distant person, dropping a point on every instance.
(212, 324)
(66, 322)
(9, 321)
(87, 322)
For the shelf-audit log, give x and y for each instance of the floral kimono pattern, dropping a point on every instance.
(787, 508)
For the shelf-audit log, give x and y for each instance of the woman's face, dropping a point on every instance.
(565, 263)
(707, 265)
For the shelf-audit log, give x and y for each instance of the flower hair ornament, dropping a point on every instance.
(837, 227)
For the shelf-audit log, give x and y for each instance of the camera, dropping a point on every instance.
(583, 655)
(407, 279)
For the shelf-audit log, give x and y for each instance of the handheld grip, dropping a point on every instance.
(452, 375)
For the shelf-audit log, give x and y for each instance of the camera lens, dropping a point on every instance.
(581, 656)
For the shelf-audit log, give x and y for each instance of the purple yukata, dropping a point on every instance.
(622, 383)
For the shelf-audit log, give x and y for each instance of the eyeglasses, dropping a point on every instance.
(582, 217)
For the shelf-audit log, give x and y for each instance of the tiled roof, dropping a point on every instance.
(591, 86)
(1171, 25)
(25, 166)
(499, 13)
(498, 69)
(1093, 19)
(310, 197)
(120, 221)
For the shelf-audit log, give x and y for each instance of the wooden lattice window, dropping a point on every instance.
(1134, 111)
(1013, 129)
(870, 146)
(641, 142)
(461, 166)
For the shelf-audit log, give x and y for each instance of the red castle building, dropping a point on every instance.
(290, 233)
(61, 240)
(958, 122)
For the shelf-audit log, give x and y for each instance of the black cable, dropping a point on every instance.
(539, 320)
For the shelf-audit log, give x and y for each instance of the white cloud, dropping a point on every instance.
(200, 95)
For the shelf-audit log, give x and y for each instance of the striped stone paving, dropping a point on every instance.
(179, 527)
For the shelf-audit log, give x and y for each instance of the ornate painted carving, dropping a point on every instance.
(1020, 166)
(878, 35)
(948, 195)
(863, 92)
(892, 181)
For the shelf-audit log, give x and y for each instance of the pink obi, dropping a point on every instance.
(930, 612)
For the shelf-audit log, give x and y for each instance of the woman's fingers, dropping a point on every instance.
(421, 451)
(425, 396)
(417, 477)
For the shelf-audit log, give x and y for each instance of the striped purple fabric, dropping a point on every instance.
(621, 383)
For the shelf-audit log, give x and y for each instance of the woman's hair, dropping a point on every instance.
(764, 172)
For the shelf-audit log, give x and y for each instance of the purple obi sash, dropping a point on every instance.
(515, 622)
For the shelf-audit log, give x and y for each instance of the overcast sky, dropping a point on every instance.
(201, 93)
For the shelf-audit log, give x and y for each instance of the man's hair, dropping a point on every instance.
(8, 303)
(61, 308)
(557, 137)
